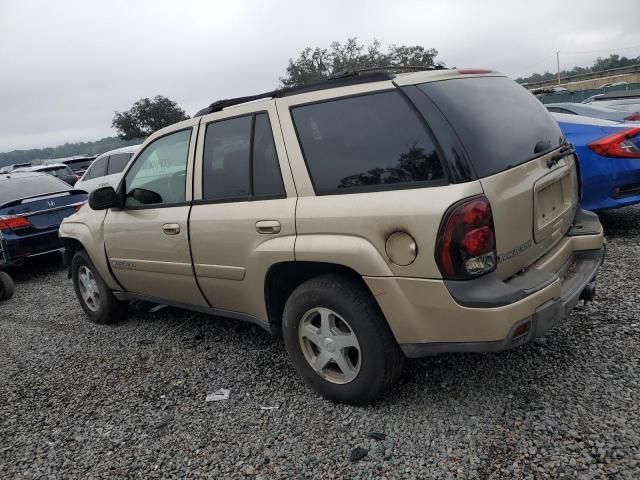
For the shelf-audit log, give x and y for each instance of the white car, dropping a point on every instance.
(106, 170)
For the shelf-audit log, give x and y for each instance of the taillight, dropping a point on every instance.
(14, 222)
(625, 144)
(466, 242)
(635, 117)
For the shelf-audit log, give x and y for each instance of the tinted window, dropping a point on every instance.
(267, 180)
(158, 175)
(79, 164)
(498, 121)
(97, 169)
(60, 172)
(366, 142)
(227, 154)
(16, 187)
(560, 110)
(117, 162)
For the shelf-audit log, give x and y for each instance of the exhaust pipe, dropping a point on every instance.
(18, 263)
(589, 292)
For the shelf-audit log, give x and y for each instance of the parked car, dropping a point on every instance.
(106, 170)
(365, 218)
(609, 158)
(32, 205)
(78, 163)
(591, 110)
(58, 170)
(11, 168)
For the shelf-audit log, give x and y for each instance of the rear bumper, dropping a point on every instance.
(13, 248)
(580, 283)
(428, 317)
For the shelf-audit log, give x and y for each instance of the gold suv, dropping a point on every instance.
(367, 218)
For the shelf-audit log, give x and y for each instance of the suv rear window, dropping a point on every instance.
(497, 120)
(366, 143)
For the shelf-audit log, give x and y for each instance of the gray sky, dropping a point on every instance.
(66, 65)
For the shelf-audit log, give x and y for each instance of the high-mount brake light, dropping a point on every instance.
(14, 222)
(466, 242)
(625, 144)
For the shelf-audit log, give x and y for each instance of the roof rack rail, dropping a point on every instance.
(339, 79)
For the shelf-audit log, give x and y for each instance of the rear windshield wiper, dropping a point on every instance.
(566, 149)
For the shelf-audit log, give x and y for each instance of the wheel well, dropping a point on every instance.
(71, 246)
(283, 278)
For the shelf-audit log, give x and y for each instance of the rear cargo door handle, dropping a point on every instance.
(171, 228)
(268, 226)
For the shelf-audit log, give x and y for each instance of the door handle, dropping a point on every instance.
(171, 228)
(268, 226)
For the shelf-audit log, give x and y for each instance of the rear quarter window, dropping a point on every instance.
(498, 121)
(366, 143)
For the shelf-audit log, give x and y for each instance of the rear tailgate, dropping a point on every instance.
(519, 154)
(533, 208)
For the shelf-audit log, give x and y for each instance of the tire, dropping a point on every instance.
(372, 362)
(98, 302)
(7, 287)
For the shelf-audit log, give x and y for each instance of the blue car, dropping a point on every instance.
(32, 206)
(609, 159)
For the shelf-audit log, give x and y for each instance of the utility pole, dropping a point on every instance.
(558, 60)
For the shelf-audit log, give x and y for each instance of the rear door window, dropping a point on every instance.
(232, 169)
(498, 121)
(117, 162)
(97, 169)
(366, 143)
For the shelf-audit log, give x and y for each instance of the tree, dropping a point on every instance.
(319, 63)
(147, 116)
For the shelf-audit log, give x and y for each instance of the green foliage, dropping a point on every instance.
(66, 150)
(147, 116)
(318, 63)
(599, 65)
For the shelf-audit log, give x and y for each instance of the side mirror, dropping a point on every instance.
(103, 198)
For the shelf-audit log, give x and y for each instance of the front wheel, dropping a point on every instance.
(339, 341)
(96, 298)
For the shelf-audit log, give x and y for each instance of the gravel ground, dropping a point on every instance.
(80, 400)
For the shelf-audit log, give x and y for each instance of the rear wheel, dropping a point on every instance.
(96, 298)
(7, 287)
(339, 341)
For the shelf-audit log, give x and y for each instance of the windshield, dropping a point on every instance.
(500, 124)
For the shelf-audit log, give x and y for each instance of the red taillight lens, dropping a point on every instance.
(14, 222)
(625, 144)
(633, 118)
(467, 245)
